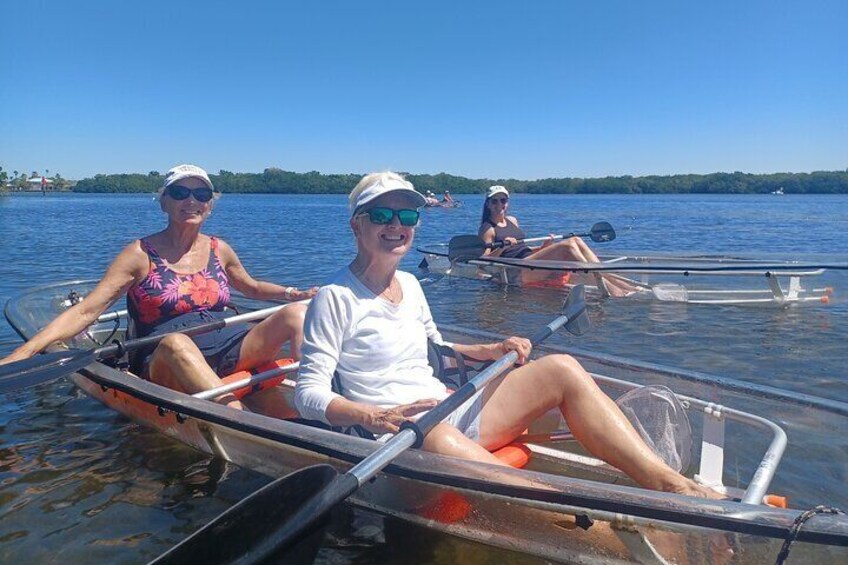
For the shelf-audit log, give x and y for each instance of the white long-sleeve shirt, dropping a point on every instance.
(379, 349)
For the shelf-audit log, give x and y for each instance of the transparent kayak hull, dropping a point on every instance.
(668, 278)
(565, 506)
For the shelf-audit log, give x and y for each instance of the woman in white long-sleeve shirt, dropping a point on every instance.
(370, 324)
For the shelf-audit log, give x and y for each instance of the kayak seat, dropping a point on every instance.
(448, 365)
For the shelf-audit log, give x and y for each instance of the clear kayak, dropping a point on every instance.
(694, 279)
(563, 505)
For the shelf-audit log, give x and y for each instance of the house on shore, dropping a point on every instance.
(39, 184)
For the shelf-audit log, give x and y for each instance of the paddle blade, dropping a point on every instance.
(43, 368)
(248, 532)
(670, 292)
(575, 308)
(602, 231)
(465, 247)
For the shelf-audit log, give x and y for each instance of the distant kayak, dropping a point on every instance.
(433, 203)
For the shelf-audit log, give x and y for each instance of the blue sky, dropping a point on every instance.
(480, 89)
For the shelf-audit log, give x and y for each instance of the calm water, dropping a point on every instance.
(76, 476)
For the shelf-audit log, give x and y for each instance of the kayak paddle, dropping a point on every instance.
(281, 517)
(49, 366)
(465, 247)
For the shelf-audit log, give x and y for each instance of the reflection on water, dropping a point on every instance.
(77, 477)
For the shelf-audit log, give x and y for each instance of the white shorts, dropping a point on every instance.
(466, 418)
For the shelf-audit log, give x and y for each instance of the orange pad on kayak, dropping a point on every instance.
(554, 282)
(515, 455)
(266, 384)
(451, 507)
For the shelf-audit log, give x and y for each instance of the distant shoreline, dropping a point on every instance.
(277, 181)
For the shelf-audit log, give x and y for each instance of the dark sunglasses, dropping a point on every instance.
(502, 200)
(179, 192)
(384, 216)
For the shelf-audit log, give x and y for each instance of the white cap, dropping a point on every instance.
(496, 190)
(181, 172)
(385, 185)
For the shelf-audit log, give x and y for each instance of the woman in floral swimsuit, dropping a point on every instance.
(178, 278)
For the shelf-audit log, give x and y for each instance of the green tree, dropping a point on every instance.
(59, 183)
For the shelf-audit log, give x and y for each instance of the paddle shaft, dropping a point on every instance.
(49, 366)
(602, 231)
(247, 381)
(499, 244)
(465, 247)
(119, 348)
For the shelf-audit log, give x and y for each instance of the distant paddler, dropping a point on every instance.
(430, 199)
(180, 278)
(497, 227)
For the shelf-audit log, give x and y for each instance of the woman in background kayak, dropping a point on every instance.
(179, 278)
(497, 227)
(370, 325)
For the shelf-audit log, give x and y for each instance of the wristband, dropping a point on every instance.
(289, 291)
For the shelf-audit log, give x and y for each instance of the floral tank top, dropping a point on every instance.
(165, 294)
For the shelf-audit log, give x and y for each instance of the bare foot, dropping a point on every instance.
(691, 488)
(617, 288)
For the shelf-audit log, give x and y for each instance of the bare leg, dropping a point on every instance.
(575, 249)
(597, 423)
(447, 440)
(262, 345)
(271, 402)
(263, 342)
(177, 363)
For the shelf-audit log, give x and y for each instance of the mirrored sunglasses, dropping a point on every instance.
(383, 216)
(179, 192)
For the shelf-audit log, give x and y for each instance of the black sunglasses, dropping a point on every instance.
(502, 200)
(179, 192)
(384, 216)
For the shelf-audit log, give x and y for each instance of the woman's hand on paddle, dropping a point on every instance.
(520, 345)
(509, 241)
(549, 241)
(388, 420)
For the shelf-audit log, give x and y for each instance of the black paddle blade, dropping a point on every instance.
(464, 247)
(43, 368)
(602, 231)
(248, 532)
(575, 308)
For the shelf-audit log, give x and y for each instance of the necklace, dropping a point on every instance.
(393, 292)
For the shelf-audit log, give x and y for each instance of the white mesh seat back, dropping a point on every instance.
(661, 420)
